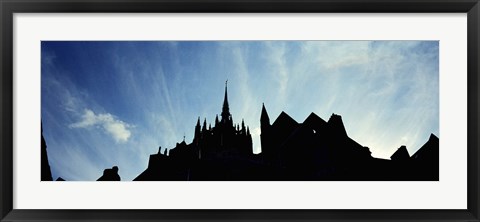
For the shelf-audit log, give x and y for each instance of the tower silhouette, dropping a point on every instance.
(265, 131)
(210, 156)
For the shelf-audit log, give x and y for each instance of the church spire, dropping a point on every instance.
(264, 119)
(225, 109)
(197, 131)
(243, 130)
(204, 128)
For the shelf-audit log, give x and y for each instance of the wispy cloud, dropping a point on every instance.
(73, 163)
(277, 52)
(386, 92)
(111, 125)
(335, 55)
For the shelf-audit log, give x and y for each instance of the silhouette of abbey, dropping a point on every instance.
(313, 150)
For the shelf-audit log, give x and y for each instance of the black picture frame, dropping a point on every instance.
(9, 7)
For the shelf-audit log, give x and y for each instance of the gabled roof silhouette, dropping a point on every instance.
(314, 120)
(303, 130)
(284, 120)
(400, 154)
(428, 148)
(312, 123)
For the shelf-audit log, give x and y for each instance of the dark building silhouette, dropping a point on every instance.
(401, 154)
(313, 150)
(46, 174)
(322, 150)
(216, 153)
(110, 175)
(425, 162)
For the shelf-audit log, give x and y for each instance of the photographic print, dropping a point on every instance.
(240, 111)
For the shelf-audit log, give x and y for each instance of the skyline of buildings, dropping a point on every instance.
(309, 151)
(107, 103)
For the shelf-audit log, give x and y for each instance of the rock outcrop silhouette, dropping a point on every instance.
(46, 174)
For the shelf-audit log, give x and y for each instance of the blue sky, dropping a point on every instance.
(115, 103)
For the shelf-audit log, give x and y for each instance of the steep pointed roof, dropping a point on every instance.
(284, 119)
(429, 149)
(313, 119)
(264, 115)
(433, 138)
(401, 154)
(284, 126)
